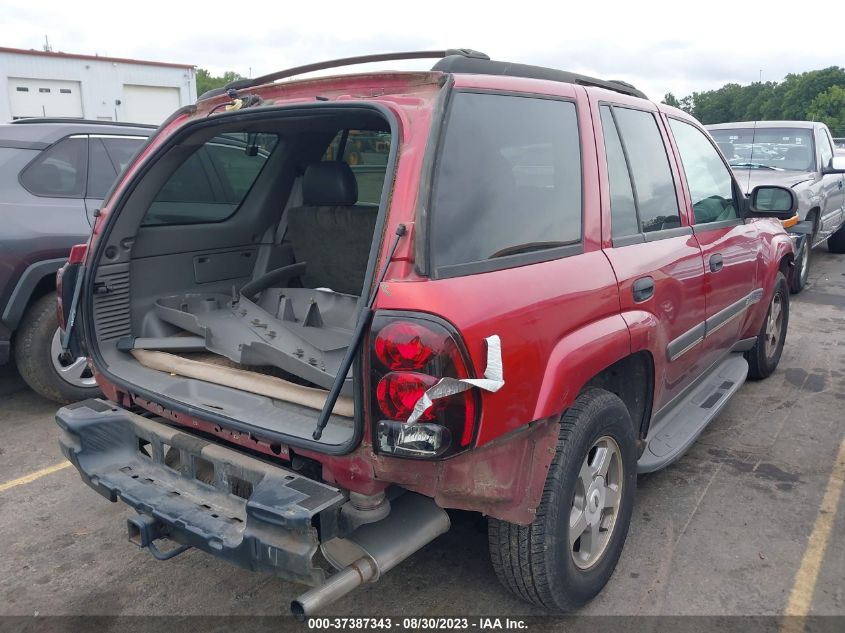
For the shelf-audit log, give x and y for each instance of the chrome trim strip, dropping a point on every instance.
(685, 342)
(695, 335)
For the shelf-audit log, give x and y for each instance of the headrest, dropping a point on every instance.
(329, 184)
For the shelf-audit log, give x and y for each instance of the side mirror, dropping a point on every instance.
(773, 202)
(837, 166)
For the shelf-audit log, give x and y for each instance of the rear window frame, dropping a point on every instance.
(440, 127)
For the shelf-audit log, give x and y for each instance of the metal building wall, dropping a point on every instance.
(102, 82)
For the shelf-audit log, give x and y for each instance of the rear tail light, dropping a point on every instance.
(66, 283)
(408, 355)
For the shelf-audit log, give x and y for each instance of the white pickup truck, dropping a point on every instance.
(796, 154)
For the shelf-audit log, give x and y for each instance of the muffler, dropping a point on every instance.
(373, 549)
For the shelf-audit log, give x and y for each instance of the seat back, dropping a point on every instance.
(330, 232)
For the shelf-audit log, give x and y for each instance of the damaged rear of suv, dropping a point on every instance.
(323, 311)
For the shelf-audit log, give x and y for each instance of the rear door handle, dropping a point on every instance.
(643, 289)
(716, 263)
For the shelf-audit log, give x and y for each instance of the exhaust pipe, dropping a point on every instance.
(373, 549)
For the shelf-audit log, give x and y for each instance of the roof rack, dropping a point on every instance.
(476, 66)
(452, 60)
(238, 84)
(81, 122)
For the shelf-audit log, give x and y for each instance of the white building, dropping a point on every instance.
(46, 84)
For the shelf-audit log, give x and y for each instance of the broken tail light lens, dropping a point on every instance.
(410, 353)
(397, 394)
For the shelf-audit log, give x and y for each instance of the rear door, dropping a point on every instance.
(653, 252)
(730, 246)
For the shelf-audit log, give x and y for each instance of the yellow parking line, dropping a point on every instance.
(801, 597)
(38, 474)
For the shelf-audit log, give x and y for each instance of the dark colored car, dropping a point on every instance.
(54, 175)
(559, 286)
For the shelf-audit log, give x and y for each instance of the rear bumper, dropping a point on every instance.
(256, 515)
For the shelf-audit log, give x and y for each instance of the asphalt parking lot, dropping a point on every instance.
(750, 521)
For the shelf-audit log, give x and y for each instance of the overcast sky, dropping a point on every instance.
(659, 47)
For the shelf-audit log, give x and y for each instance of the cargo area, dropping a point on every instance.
(231, 277)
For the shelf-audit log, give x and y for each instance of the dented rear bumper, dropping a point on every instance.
(253, 514)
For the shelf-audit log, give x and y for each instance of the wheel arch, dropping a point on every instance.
(36, 281)
(576, 359)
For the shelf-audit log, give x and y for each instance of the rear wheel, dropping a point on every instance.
(764, 357)
(41, 362)
(567, 555)
(836, 242)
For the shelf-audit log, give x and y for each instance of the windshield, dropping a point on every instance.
(789, 149)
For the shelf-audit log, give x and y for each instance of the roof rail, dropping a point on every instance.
(481, 66)
(337, 63)
(80, 121)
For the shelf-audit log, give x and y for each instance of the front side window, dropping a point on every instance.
(508, 179)
(59, 171)
(825, 149)
(214, 180)
(775, 149)
(657, 201)
(709, 180)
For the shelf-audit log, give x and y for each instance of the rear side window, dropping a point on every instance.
(107, 158)
(623, 208)
(507, 181)
(366, 153)
(59, 171)
(214, 180)
(654, 188)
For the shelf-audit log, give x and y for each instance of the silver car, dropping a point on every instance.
(797, 154)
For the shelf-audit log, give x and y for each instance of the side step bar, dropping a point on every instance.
(679, 427)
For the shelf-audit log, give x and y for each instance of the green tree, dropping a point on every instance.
(206, 81)
(793, 98)
(829, 108)
(670, 100)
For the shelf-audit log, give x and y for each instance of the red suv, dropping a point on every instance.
(323, 311)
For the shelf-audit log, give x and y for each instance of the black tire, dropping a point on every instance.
(33, 354)
(763, 359)
(801, 272)
(836, 242)
(536, 562)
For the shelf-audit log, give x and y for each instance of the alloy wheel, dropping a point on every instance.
(774, 325)
(74, 371)
(598, 495)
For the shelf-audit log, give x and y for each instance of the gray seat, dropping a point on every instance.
(330, 232)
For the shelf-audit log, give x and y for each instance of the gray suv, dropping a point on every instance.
(796, 154)
(54, 174)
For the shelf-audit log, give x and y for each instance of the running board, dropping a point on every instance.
(685, 421)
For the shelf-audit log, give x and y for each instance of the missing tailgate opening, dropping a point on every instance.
(254, 242)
